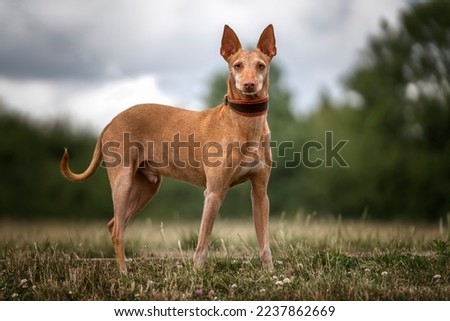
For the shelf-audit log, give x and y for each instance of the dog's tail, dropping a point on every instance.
(96, 159)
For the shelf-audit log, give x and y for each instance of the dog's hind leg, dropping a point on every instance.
(121, 188)
(143, 189)
(130, 195)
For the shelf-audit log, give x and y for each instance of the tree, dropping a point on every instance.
(404, 82)
(31, 185)
(405, 76)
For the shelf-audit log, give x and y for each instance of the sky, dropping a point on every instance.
(89, 60)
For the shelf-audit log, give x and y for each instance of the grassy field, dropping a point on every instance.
(314, 260)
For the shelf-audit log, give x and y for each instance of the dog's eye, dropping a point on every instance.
(261, 66)
(237, 66)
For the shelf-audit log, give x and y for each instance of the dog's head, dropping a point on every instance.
(249, 69)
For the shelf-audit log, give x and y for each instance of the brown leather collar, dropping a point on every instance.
(248, 108)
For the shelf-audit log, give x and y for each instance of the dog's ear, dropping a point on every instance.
(230, 43)
(266, 42)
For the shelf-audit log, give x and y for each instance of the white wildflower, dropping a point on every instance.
(23, 283)
(436, 277)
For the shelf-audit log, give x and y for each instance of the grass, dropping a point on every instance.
(313, 260)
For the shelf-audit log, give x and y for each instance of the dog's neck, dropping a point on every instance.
(248, 107)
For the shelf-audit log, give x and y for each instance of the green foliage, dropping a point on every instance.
(441, 247)
(404, 84)
(31, 184)
(398, 147)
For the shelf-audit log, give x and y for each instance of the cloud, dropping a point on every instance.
(67, 47)
(101, 104)
(92, 106)
(29, 95)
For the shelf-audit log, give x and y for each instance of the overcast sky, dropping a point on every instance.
(89, 60)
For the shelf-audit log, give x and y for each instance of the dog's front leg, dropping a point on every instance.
(260, 206)
(213, 201)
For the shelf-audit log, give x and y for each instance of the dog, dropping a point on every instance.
(215, 148)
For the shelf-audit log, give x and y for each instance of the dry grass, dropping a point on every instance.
(314, 260)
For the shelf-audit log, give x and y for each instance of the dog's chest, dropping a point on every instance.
(250, 158)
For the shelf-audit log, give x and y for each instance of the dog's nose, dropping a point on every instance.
(249, 85)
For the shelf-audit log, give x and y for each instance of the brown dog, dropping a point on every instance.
(215, 148)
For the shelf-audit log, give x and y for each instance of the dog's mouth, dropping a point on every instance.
(249, 94)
